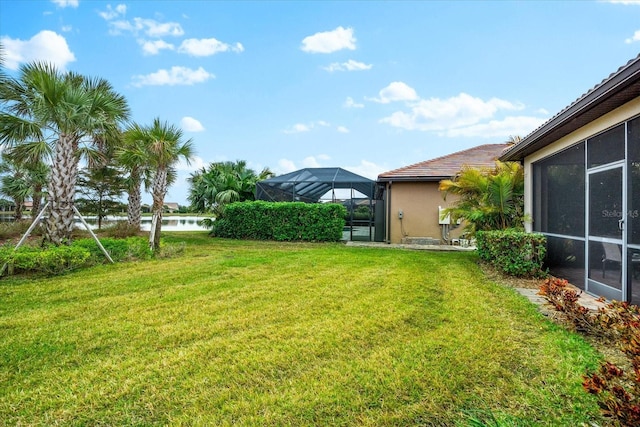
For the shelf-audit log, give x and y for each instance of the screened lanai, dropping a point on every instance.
(322, 185)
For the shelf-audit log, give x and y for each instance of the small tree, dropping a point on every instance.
(489, 198)
(100, 190)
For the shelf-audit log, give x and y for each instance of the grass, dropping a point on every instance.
(262, 333)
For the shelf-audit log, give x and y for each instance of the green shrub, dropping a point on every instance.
(54, 260)
(297, 221)
(119, 249)
(51, 261)
(120, 229)
(514, 252)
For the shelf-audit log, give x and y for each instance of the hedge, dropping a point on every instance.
(514, 252)
(282, 221)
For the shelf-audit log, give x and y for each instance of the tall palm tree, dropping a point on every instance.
(133, 156)
(73, 112)
(166, 147)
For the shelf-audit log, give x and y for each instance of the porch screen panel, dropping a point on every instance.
(565, 258)
(633, 210)
(559, 193)
(608, 147)
(633, 182)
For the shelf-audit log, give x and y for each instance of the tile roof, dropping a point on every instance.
(446, 166)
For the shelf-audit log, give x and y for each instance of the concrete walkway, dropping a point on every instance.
(586, 300)
(383, 245)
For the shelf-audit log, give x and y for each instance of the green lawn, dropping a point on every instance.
(262, 333)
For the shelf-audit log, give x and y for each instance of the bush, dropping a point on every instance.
(16, 229)
(514, 252)
(55, 260)
(50, 261)
(119, 249)
(618, 391)
(120, 229)
(297, 221)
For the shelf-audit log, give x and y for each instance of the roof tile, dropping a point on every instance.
(447, 166)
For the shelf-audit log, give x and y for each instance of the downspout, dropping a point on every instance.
(388, 218)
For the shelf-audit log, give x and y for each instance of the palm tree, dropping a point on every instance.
(165, 148)
(134, 158)
(33, 156)
(74, 112)
(490, 199)
(222, 183)
(14, 183)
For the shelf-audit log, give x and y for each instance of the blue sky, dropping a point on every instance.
(367, 86)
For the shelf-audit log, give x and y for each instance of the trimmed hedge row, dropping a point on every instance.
(281, 221)
(514, 252)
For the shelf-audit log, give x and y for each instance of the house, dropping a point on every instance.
(171, 207)
(412, 200)
(582, 187)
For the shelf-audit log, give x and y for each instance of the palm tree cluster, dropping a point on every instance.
(223, 182)
(489, 199)
(52, 121)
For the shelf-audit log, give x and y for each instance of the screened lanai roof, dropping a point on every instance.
(310, 184)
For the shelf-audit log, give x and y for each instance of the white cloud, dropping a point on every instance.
(634, 38)
(396, 91)
(175, 76)
(195, 163)
(45, 46)
(298, 128)
(153, 47)
(330, 41)
(513, 125)
(191, 125)
(66, 28)
(350, 65)
(342, 129)
(350, 103)
(310, 162)
(625, 2)
(285, 166)
(542, 111)
(66, 3)
(367, 169)
(150, 27)
(436, 114)
(302, 127)
(207, 47)
(112, 13)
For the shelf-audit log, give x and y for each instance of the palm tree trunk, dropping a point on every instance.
(135, 201)
(37, 201)
(18, 213)
(159, 191)
(62, 189)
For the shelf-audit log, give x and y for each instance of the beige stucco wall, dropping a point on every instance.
(419, 203)
(615, 117)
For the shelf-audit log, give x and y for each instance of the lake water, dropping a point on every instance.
(169, 223)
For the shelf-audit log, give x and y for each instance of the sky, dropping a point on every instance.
(368, 86)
